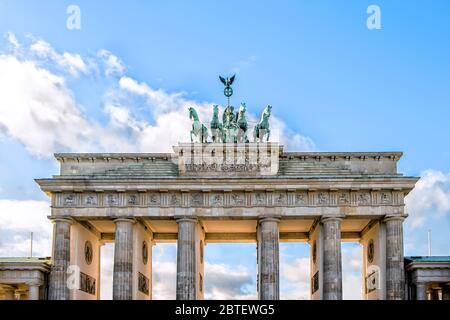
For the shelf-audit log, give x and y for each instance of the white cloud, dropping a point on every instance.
(106, 271)
(430, 198)
(12, 41)
(113, 65)
(17, 220)
(352, 272)
(222, 281)
(72, 63)
(291, 140)
(225, 282)
(159, 100)
(164, 280)
(296, 276)
(171, 108)
(39, 111)
(38, 101)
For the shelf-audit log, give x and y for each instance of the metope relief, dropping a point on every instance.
(323, 198)
(90, 200)
(112, 200)
(132, 200)
(216, 200)
(344, 198)
(174, 199)
(301, 199)
(363, 198)
(196, 199)
(69, 200)
(154, 199)
(280, 199)
(237, 199)
(386, 198)
(259, 199)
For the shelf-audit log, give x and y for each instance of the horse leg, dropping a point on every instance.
(204, 134)
(268, 134)
(192, 140)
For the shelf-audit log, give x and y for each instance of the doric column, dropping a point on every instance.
(421, 291)
(186, 259)
(434, 294)
(395, 274)
(446, 292)
(332, 260)
(33, 290)
(58, 289)
(268, 259)
(123, 260)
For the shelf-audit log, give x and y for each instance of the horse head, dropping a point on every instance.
(267, 111)
(215, 110)
(192, 113)
(242, 108)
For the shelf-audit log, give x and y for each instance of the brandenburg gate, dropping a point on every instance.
(137, 200)
(227, 190)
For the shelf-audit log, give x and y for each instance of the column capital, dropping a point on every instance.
(35, 283)
(125, 219)
(395, 217)
(327, 218)
(193, 219)
(269, 218)
(65, 219)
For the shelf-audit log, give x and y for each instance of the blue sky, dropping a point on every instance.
(334, 84)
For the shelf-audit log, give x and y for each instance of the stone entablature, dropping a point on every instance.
(427, 276)
(27, 277)
(312, 184)
(437, 270)
(228, 198)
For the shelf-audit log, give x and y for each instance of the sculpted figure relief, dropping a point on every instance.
(216, 126)
(229, 125)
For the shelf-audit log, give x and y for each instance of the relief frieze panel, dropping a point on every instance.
(280, 199)
(249, 198)
(217, 200)
(259, 198)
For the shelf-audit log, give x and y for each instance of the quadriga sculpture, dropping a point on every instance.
(216, 126)
(262, 127)
(198, 129)
(242, 124)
